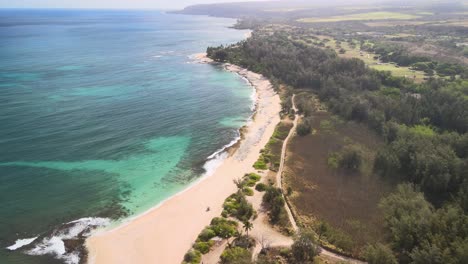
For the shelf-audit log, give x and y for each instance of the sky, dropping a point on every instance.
(161, 4)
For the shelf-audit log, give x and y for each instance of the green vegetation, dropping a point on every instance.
(304, 127)
(271, 155)
(219, 227)
(379, 254)
(261, 163)
(349, 158)
(305, 248)
(192, 257)
(361, 16)
(261, 187)
(237, 206)
(236, 255)
(422, 234)
(423, 125)
(274, 202)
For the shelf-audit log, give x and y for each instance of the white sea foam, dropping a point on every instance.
(21, 243)
(55, 245)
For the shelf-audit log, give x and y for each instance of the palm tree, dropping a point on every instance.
(239, 183)
(247, 226)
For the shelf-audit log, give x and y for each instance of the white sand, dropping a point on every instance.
(165, 233)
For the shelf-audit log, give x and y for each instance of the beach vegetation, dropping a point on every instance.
(260, 164)
(219, 227)
(224, 228)
(237, 206)
(207, 234)
(248, 191)
(236, 255)
(261, 187)
(192, 257)
(203, 247)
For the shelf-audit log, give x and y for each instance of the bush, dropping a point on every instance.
(350, 158)
(203, 247)
(274, 202)
(260, 164)
(247, 191)
(237, 205)
(261, 187)
(305, 248)
(192, 257)
(206, 234)
(236, 255)
(224, 228)
(254, 177)
(304, 127)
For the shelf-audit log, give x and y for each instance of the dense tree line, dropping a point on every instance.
(425, 127)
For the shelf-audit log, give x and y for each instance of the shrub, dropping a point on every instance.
(244, 242)
(260, 164)
(247, 191)
(305, 248)
(261, 187)
(203, 247)
(237, 205)
(304, 127)
(206, 234)
(273, 200)
(236, 255)
(349, 158)
(192, 257)
(255, 177)
(224, 228)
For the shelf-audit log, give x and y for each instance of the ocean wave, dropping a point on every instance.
(21, 243)
(55, 243)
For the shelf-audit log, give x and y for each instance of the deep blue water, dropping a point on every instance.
(103, 115)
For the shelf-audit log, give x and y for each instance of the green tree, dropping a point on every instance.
(379, 254)
(305, 248)
(247, 227)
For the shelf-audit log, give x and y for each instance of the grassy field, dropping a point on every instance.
(362, 17)
(347, 201)
(370, 60)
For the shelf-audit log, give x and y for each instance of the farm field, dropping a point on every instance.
(362, 16)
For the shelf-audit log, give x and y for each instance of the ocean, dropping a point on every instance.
(103, 115)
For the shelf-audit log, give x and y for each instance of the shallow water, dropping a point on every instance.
(103, 114)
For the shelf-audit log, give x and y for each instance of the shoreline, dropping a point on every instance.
(164, 233)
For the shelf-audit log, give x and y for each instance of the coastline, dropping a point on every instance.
(165, 233)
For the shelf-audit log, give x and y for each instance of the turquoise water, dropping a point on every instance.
(103, 115)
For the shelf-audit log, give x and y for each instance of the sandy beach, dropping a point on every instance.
(165, 233)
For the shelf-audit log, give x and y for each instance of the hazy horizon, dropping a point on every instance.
(110, 4)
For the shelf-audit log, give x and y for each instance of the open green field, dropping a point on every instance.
(361, 16)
